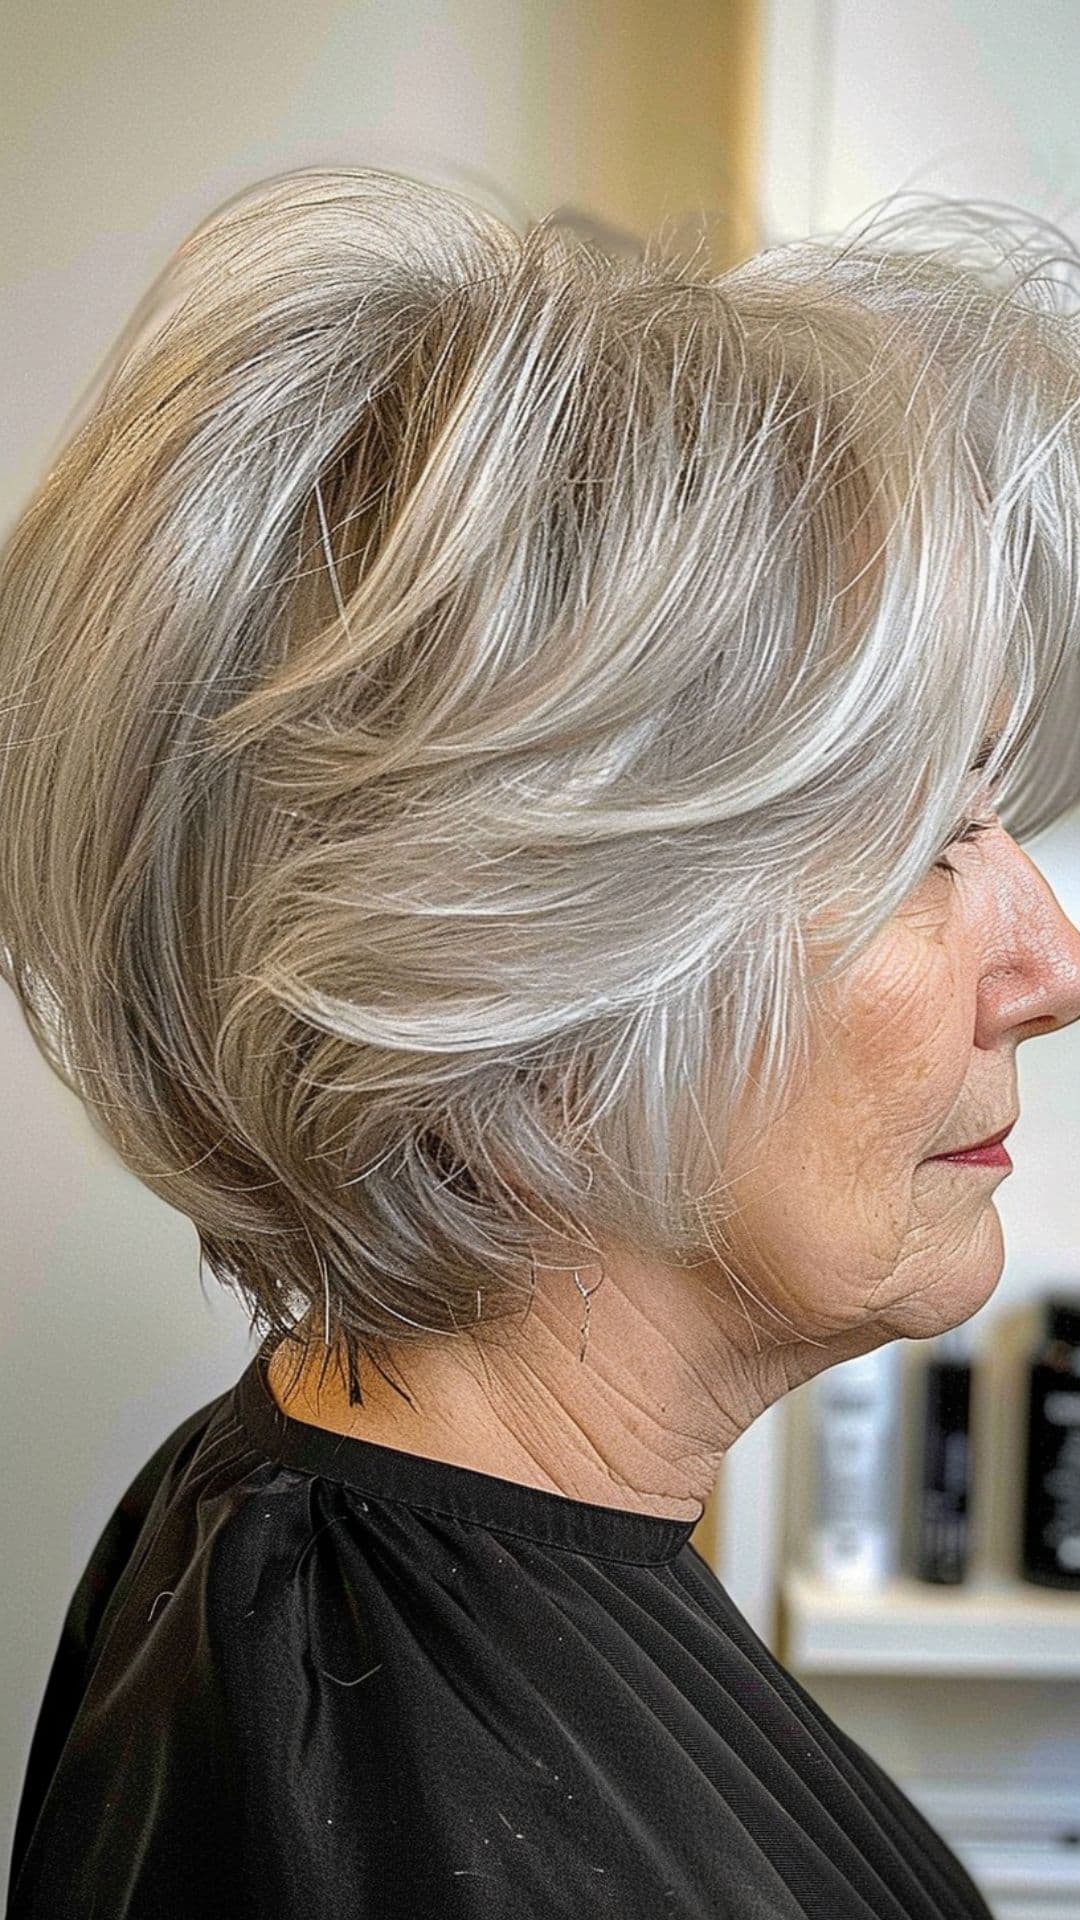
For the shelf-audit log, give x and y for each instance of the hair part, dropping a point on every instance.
(466, 690)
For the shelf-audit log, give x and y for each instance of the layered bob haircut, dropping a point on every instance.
(465, 692)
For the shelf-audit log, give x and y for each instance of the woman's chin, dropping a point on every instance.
(969, 1277)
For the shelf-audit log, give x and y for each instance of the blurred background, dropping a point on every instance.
(761, 121)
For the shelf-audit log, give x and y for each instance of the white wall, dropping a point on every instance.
(864, 98)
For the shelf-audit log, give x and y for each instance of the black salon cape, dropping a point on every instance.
(305, 1677)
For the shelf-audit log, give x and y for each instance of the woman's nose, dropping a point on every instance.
(1032, 976)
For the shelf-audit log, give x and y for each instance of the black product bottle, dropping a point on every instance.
(942, 1521)
(1051, 1535)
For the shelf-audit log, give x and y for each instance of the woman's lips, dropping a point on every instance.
(989, 1153)
(996, 1156)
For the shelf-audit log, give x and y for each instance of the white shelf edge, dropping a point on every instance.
(991, 1625)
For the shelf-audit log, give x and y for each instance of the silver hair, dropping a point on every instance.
(466, 690)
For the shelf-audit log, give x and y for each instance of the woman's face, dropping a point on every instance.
(845, 1219)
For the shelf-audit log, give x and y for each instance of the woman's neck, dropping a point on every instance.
(669, 1380)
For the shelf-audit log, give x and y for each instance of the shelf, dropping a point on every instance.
(991, 1625)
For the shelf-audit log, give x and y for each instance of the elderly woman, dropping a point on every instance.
(483, 718)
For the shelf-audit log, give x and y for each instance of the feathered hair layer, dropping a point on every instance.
(463, 691)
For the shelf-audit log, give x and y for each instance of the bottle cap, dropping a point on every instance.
(1062, 1318)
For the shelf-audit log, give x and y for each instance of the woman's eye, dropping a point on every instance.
(970, 831)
